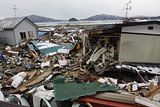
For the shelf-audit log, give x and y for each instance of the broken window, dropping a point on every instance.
(30, 34)
(150, 27)
(23, 35)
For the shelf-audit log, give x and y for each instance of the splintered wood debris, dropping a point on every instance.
(79, 58)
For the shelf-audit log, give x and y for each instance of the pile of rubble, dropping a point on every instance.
(71, 67)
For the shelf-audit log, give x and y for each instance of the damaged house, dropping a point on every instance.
(140, 43)
(134, 45)
(14, 30)
(134, 42)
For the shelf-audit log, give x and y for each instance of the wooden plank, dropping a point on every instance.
(30, 82)
(17, 90)
(90, 74)
(106, 103)
(153, 94)
(151, 86)
(96, 55)
(45, 59)
(39, 79)
(32, 74)
(89, 104)
(153, 91)
(130, 99)
(118, 47)
(32, 53)
(97, 32)
(107, 36)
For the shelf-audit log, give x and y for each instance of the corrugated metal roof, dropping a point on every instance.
(108, 27)
(48, 48)
(64, 91)
(10, 23)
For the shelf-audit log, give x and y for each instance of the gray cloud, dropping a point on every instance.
(65, 9)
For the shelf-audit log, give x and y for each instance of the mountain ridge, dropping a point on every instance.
(104, 17)
(36, 18)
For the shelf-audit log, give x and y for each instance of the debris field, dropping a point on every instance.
(81, 68)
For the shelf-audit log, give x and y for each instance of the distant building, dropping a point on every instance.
(14, 30)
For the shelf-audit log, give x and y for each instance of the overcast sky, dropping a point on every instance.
(80, 9)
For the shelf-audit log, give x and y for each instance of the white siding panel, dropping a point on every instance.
(9, 34)
(139, 48)
(142, 29)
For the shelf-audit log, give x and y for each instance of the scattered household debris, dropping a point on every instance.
(79, 66)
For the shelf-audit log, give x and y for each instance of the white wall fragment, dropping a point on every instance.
(122, 85)
(45, 64)
(62, 62)
(109, 81)
(101, 80)
(21, 74)
(134, 87)
(17, 82)
(63, 51)
(18, 79)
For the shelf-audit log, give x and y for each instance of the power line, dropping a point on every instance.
(14, 8)
(127, 8)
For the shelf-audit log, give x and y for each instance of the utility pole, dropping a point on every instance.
(127, 8)
(14, 8)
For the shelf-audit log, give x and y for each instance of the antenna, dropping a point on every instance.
(14, 8)
(128, 8)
